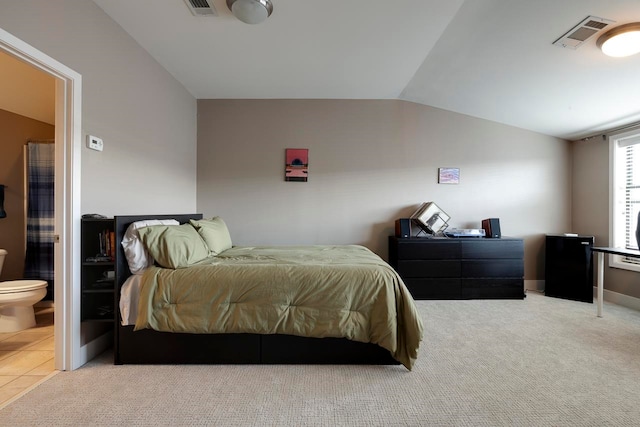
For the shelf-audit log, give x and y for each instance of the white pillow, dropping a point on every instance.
(134, 251)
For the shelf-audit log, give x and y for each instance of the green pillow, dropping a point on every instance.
(174, 246)
(214, 232)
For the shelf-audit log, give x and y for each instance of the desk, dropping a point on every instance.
(613, 251)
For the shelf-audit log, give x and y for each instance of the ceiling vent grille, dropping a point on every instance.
(201, 8)
(579, 34)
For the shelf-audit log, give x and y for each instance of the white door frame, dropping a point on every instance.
(68, 135)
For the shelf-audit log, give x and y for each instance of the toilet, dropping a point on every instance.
(17, 298)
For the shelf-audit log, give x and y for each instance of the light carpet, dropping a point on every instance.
(535, 362)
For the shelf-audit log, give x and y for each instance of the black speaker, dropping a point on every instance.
(403, 227)
(491, 227)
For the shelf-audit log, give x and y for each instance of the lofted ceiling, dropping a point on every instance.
(492, 59)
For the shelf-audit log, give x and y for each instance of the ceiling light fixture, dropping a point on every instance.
(621, 41)
(251, 11)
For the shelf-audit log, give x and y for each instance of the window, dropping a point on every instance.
(625, 195)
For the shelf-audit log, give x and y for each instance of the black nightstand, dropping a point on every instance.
(97, 272)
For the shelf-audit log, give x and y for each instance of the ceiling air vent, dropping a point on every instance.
(201, 8)
(583, 31)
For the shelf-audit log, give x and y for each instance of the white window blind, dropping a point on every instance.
(625, 196)
(631, 193)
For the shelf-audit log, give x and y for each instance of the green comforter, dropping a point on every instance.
(311, 291)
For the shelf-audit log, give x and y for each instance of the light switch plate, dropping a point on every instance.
(94, 143)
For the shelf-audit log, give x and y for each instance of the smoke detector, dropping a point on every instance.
(201, 8)
(579, 34)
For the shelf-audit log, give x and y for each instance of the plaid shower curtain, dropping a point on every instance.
(40, 214)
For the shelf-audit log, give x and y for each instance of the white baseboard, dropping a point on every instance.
(95, 347)
(620, 299)
(609, 296)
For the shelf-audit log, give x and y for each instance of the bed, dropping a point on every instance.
(270, 338)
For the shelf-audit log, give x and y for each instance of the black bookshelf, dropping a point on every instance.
(97, 270)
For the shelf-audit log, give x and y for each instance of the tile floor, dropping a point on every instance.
(26, 357)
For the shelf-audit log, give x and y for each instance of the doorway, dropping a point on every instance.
(68, 352)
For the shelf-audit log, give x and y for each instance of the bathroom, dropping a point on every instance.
(26, 355)
(26, 221)
(27, 113)
(23, 257)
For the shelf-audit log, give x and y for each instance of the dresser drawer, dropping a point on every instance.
(429, 268)
(492, 248)
(434, 288)
(428, 249)
(435, 268)
(492, 288)
(492, 268)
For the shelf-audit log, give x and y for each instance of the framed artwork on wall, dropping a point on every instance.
(448, 175)
(296, 164)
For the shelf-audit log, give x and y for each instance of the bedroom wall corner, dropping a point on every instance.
(146, 119)
(590, 214)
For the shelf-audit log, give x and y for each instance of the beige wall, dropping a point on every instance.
(145, 117)
(591, 206)
(16, 130)
(26, 90)
(371, 162)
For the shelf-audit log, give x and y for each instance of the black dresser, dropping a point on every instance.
(568, 271)
(463, 268)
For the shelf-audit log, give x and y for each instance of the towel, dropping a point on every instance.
(3, 213)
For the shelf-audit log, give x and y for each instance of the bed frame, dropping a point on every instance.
(153, 347)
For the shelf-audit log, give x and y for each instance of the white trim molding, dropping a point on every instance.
(617, 175)
(621, 299)
(609, 296)
(68, 137)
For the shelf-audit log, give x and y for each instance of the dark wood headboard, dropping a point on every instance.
(122, 222)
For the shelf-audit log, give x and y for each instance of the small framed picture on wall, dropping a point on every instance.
(296, 164)
(448, 175)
